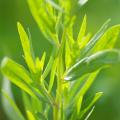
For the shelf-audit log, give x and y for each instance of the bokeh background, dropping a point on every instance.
(98, 11)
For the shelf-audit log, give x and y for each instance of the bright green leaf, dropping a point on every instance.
(95, 39)
(82, 30)
(26, 48)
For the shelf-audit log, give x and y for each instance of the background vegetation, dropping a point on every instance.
(98, 11)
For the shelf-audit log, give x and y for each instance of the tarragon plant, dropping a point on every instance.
(56, 91)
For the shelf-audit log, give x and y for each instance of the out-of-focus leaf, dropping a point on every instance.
(8, 70)
(27, 101)
(89, 114)
(93, 63)
(30, 116)
(95, 39)
(40, 14)
(77, 99)
(108, 40)
(59, 25)
(9, 65)
(26, 48)
(43, 60)
(39, 66)
(82, 2)
(67, 54)
(54, 5)
(75, 87)
(79, 104)
(96, 98)
(10, 107)
(87, 84)
(41, 116)
(85, 41)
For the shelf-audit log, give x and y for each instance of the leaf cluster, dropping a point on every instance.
(71, 69)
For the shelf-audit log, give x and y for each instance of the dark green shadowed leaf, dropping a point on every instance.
(95, 99)
(93, 63)
(89, 114)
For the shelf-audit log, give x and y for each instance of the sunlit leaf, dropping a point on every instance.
(11, 66)
(95, 38)
(82, 30)
(52, 75)
(26, 48)
(30, 116)
(108, 40)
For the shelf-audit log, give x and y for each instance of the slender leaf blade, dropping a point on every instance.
(93, 63)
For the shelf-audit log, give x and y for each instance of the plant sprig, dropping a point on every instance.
(72, 68)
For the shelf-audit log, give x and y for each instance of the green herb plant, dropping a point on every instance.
(56, 91)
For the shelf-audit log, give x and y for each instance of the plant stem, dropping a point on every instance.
(55, 113)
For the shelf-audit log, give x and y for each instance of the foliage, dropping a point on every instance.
(72, 68)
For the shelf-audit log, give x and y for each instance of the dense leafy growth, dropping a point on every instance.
(72, 68)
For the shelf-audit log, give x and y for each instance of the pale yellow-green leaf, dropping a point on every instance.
(82, 30)
(26, 48)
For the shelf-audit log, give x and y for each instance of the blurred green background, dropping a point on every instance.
(98, 11)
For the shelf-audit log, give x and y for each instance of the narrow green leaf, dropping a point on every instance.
(48, 67)
(40, 14)
(27, 101)
(96, 98)
(108, 40)
(75, 87)
(30, 116)
(57, 7)
(67, 55)
(16, 69)
(59, 25)
(95, 38)
(86, 39)
(93, 63)
(89, 114)
(52, 75)
(26, 48)
(10, 70)
(40, 65)
(43, 60)
(86, 85)
(79, 104)
(82, 30)
(41, 116)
